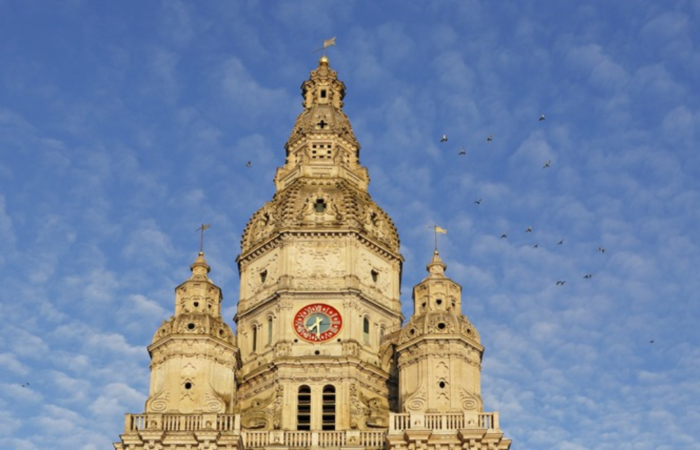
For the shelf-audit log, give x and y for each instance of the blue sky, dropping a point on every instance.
(126, 125)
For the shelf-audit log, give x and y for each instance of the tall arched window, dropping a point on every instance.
(255, 338)
(365, 330)
(304, 408)
(328, 408)
(269, 331)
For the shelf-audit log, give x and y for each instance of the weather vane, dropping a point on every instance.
(327, 43)
(201, 236)
(437, 229)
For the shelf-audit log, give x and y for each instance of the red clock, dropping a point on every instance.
(317, 322)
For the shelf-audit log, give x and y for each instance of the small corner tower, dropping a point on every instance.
(194, 353)
(439, 353)
(439, 363)
(194, 359)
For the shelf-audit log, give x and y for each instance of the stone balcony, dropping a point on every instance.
(143, 427)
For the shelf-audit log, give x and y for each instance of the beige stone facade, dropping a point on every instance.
(320, 357)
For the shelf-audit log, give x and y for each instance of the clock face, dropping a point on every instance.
(317, 322)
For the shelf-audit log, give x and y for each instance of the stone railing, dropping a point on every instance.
(231, 424)
(305, 439)
(375, 439)
(182, 422)
(442, 421)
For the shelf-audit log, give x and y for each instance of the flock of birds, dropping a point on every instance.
(547, 165)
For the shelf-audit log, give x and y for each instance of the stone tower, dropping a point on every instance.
(439, 352)
(320, 269)
(320, 357)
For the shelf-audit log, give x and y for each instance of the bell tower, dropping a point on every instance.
(320, 275)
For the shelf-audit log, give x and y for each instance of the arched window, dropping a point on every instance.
(304, 408)
(328, 408)
(365, 330)
(255, 338)
(269, 331)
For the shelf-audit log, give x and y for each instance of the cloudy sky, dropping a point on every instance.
(125, 125)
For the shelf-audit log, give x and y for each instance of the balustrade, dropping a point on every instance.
(303, 439)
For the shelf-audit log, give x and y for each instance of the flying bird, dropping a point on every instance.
(588, 276)
(489, 138)
(478, 202)
(561, 242)
(444, 138)
(542, 118)
(547, 164)
(463, 151)
(536, 246)
(560, 283)
(601, 249)
(529, 230)
(248, 164)
(503, 236)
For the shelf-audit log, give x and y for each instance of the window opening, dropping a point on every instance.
(263, 276)
(255, 338)
(365, 329)
(375, 275)
(328, 408)
(320, 205)
(304, 408)
(269, 330)
(323, 93)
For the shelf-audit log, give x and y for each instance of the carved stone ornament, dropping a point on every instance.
(264, 274)
(158, 402)
(264, 224)
(264, 413)
(470, 402)
(318, 260)
(417, 401)
(320, 208)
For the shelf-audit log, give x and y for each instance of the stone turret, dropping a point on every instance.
(439, 351)
(194, 353)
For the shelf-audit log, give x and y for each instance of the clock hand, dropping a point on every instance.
(317, 325)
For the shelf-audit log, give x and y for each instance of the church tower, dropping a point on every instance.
(320, 357)
(320, 272)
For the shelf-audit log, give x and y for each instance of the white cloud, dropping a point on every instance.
(10, 362)
(116, 399)
(247, 93)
